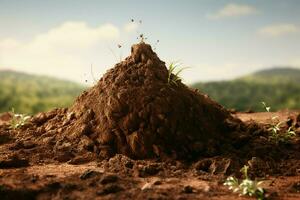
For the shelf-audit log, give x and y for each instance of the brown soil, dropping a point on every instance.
(123, 178)
(135, 136)
(133, 110)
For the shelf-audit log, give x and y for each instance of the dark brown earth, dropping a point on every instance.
(120, 177)
(136, 136)
(135, 111)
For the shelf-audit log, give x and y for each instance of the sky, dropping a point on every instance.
(216, 39)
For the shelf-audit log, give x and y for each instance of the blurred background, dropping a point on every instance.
(239, 52)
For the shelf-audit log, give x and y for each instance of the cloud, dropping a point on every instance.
(77, 33)
(131, 27)
(295, 62)
(233, 10)
(277, 30)
(65, 51)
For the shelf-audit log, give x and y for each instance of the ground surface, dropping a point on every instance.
(122, 178)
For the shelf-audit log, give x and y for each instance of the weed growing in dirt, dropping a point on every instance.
(246, 186)
(275, 129)
(173, 73)
(289, 133)
(18, 120)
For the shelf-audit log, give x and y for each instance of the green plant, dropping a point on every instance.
(246, 186)
(267, 108)
(289, 133)
(18, 120)
(275, 129)
(173, 73)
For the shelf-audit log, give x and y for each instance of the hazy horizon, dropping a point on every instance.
(218, 40)
(92, 81)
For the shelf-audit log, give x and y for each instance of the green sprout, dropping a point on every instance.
(244, 170)
(275, 129)
(246, 187)
(267, 108)
(18, 120)
(173, 73)
(289, 133)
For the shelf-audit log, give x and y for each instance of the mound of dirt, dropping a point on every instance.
(135, 111)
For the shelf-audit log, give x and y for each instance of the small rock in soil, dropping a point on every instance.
(13, 162)
(157, 182)
(78, 160)
(148, 170)
(29, 144)
(88, 174)
(70, 186)
(203, 165)
(4, 138)
(188, 189)
(54, 185)
(129, 164)
(295, 187)
(64, 156)
(109, 179)
(34, 178)
(110, 189)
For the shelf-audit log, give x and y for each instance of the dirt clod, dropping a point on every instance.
(88, 174)
(13, 162)
(148, 170)
(109, 179)
(188, 189)
(109, 189)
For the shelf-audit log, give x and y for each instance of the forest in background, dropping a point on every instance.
(31, 93)
(278, 87)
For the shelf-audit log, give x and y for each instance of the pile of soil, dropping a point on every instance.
(98, 147)
(135, 111)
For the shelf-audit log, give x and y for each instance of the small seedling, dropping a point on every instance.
(173, 73)
(246, 187)
(275, 129)
(18, 120)
(267, 108)
(289, 133)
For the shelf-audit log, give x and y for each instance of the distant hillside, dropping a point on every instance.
(31, 94)
(276, 75)
(279, 87)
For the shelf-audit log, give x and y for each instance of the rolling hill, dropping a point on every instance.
(279, 87)
(31, 94)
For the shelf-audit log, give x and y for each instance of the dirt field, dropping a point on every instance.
(123, 178)
(140, 133)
